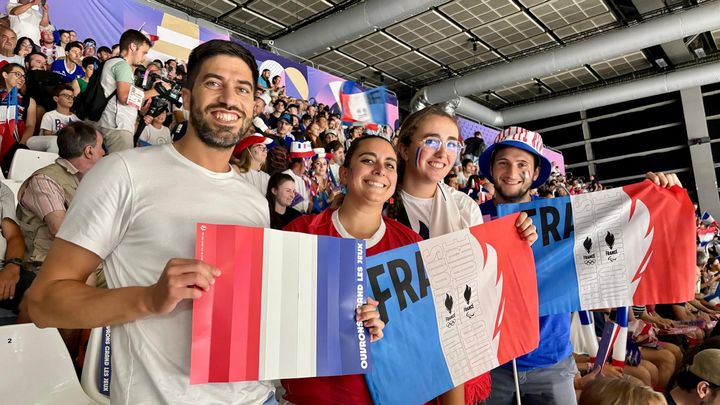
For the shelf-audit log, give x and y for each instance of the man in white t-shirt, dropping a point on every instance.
(137, 211)
(57, 119)
(8, 40)
(26, 21)
(117, 123)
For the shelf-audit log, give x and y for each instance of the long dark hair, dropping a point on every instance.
(275, 181)
(407, 130)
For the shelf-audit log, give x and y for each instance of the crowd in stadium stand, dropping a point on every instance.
(312, 173)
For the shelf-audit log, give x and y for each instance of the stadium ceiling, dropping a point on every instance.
(461, 36)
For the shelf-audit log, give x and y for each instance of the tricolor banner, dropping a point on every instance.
(284, 306)
(455, 307)
(613, 248)
(363, 106)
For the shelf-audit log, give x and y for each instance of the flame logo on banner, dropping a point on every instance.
(639, 236)
(587, 244)
(448, 302)
(610, 240)
(467, 294)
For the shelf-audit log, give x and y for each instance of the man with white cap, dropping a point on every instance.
(300, 154)
(515, 164)
(699, 382)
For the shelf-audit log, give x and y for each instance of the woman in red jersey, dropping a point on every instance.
(369, 174)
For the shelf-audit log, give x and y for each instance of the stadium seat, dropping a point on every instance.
(95, 378)
(14, 186)
(26, 162)
(43, 143)
(37, 368)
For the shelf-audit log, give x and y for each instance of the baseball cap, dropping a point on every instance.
(706, 365)
(520, 138)
(250, 140)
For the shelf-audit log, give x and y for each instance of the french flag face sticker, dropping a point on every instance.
(613, 248)
(283, 308)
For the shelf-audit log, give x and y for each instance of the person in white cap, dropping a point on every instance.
(699, 382)
(515, 164)
(300, 154)
(249, 158)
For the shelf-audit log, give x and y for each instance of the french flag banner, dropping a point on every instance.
(284, 306)
(613, 248)
(363, 106)
(455, 307)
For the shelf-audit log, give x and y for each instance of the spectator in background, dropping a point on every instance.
(698, 383)
(89, 46)
(276, 90)
(13, 75)
(452, 180)
(89, 64)
(26, 21)
(155, 133)
(321, 187)
(280, 195)
(24, 47)
(249, 157)
(117, 123)
(264, 80)
(337, 150)
(36, 61)
(57, 119)
(8, 40)
(474, 147)
(468, 169)
(279, 110)
(69, 68)
(45, 196)
(104, 53)
(300, 154)
(73, 36)
(612, 391)
(62, 43)
(115, 50)
(47, 45)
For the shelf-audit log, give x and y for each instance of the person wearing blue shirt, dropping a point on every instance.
(515, 164)
(69, 68)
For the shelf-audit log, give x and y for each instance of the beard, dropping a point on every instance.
(221, 136)
(513, 197)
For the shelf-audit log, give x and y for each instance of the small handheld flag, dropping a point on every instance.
(367, 106)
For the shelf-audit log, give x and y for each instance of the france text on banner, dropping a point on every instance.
(613, 248)
(455, 307)
(284, 306)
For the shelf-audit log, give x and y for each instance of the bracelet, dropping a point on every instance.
(16, 261)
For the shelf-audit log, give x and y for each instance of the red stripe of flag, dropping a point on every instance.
(222, 317)
(245, 350)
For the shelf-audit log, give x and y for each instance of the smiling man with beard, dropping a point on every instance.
(136, 211)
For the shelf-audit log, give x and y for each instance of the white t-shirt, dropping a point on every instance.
(258, 178)
(300, 190)
(26, 24)
(116, 115)
(154, 136)
(448, 211)
(137, 209)
(54, 121)
(13, 59)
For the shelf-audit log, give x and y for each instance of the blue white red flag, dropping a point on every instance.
(455, 307)
(369, 106)
(284, 306)
(613, 248)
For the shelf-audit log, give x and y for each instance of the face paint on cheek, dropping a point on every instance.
(418, 153)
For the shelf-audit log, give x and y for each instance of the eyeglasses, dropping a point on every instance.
(260, 147)
(434, 144)
(68, 96)
(19, 75)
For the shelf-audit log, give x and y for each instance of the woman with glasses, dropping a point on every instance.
(428, 144)
(249, 158)
(24, 46)
(17, 113)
